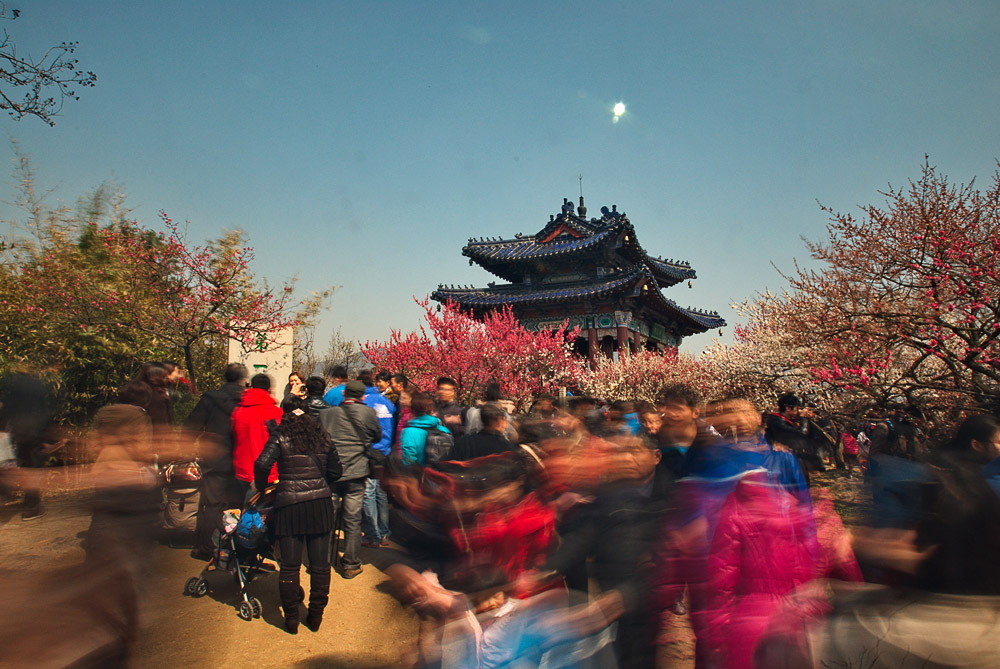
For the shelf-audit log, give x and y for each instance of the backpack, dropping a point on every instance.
(250, 530)
(438, 445)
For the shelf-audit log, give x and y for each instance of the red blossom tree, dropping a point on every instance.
(474, 352)
(906, 302)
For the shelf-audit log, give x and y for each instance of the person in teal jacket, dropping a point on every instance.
(414, 435)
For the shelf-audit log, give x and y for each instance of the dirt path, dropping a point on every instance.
(363, 626)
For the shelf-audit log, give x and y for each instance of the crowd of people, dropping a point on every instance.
(578, 533)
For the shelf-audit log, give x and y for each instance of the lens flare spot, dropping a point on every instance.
(618, 110)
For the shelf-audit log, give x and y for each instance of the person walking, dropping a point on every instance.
(307, 465)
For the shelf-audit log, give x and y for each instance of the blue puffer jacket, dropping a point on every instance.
(414, 436)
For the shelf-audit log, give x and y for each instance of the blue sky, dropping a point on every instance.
(362, 144)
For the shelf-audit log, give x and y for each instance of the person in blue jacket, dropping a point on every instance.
(375, 510)
(414, 436)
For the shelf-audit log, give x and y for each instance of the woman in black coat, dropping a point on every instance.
(303, 508)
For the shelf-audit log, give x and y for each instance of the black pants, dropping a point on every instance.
(317, 548)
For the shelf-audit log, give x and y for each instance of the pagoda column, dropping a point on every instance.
(622, 340)
(592, 347)
(637, 341)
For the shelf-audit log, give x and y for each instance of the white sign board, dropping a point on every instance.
(272, 358)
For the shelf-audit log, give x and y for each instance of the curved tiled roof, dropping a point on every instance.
(502, 257)
(629, 278)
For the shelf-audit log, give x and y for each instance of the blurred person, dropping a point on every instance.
(402, 418)
(414, 436)
(544, 407)
(315, 387)
(27, 412)
(211, 422)
(338, 379)
(375, 510)
(946, 613)
(160, 408)
(447, 407)
(250, 421)
(679, 406)
(492, 395)
(617, 532)
(303, 516)
(353, 428)
(977, 441)
(490, 440)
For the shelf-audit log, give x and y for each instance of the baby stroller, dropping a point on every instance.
(240, 551)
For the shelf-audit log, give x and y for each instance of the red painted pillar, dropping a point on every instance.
(637, 341)
(622, 341)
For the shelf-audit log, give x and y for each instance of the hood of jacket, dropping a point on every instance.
(256, 397)
(426, 421)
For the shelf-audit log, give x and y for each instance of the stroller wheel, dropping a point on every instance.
(200, 588)
(255, 607)
(246, 611)
(190, 586)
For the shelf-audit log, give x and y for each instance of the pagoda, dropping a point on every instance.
(592, 273)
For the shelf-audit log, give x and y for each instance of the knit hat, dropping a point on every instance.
(354, 390)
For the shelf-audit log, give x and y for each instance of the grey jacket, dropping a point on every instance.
(351, 442)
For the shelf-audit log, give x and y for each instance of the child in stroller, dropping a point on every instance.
(243, 545)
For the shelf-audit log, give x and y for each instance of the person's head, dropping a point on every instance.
(354, 390)
(619, 409)
(678, 405)
(399, 382)
(154, 374)
(421, 404)
(494, 418)
(366, 377)
(734, 418)
(636, 458)
(295, 379)
(382, 380)
(235, 372)
(405, 397)
(315, 385)
(544, 404)
(337, 374)
(174, 371)
(650, 419)
(135, 393)
(261, 382)
(789, 405)
(977, 436)
(493, 392)
(304, 433)
(446, 388)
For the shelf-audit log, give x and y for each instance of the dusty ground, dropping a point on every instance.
(363, 627)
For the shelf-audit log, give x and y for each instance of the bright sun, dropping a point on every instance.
(618, 110)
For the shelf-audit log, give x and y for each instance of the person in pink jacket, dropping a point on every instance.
(767, 545)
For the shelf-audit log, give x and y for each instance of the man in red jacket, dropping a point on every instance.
(250, 429)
